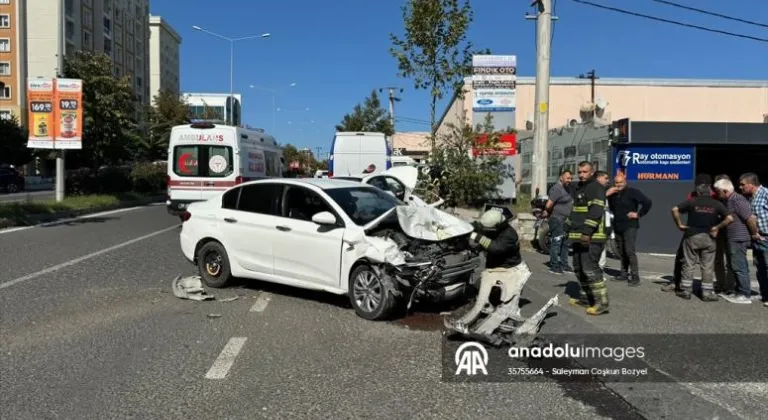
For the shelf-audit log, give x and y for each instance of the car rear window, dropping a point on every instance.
(216, 161)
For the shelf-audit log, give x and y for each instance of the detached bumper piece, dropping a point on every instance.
(503, 323)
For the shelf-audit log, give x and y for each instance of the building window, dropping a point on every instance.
(5, 68)
(138, 81)
(69, 7)
(119, 55)
(129, 62)
(70, 29)
(87, 40)
(5, 114)
(5, 91)
(5, 2)
(118, 35)
(107, 26)
(108, 47)
(5, 21)
(87, 18)
(117, 71)
(88, 3)
(70, 48)
(5, 45)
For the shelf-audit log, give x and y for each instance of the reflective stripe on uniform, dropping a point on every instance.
(580, 209)
(597, 203)
(590, 223)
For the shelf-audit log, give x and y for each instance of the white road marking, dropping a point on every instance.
(226, 359)
(83, 258)
(72, 219)
(261, 302)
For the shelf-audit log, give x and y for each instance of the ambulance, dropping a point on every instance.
(206, 159)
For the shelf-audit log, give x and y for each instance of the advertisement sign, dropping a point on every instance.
(494, 80)
(41, 95)
(55, 113)
(507, 146)
(69, 99)
(655, 163)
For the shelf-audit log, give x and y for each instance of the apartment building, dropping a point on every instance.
(164, 63)
(12, 63)
(118, 28)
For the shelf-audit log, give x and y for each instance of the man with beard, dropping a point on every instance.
(586, 227)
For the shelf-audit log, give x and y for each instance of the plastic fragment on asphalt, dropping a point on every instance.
(191, 288)
(214, 315)
(229, 299)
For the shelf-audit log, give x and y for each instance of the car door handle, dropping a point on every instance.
(230, 220)
(283, 228)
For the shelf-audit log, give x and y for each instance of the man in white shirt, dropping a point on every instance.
(602, 178)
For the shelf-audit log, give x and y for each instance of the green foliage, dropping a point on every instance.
(368, 116)
(149, 177)
(434, 51)
(13, 143)
(460, 178)
(142, 178)
(109, 110)
(167, 110)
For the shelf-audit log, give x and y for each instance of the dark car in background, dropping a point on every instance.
(11, 181)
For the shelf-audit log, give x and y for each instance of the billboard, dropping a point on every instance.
(507, 146)
(55, 113)
(655, 163)
(494, 81)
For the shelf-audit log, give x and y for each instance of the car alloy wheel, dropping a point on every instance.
(367, 291)
(213, 264)
(12, 188)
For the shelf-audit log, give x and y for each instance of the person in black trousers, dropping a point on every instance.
(677, 275)
(627, 205)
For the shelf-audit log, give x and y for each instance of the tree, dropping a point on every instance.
(13, 143)
(461, 178)
(109, 110)
(167, 110)
(368, 116)
(434, 51)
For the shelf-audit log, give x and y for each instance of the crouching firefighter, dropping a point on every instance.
(586, 227)
(504, 269)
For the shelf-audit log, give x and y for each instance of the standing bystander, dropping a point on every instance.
(738, 237)
(725, 280)
(558, 207)
(602, 179)
(628, 205)
(750, 185)
(706, 216)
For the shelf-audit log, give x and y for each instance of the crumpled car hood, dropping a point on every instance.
(425, 223)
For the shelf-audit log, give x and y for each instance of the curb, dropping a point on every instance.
(33, 220)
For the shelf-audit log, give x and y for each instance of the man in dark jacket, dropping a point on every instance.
(586, 227)
(627, 205)
(504, 268)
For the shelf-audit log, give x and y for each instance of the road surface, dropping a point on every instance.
(91, 330)
(26, 196)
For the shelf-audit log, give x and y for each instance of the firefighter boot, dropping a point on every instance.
(583, 300)
(600, 291)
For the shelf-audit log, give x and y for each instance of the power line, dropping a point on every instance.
(673, 22)
(706, 12)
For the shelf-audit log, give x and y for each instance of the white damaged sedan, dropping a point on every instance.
(335, 236)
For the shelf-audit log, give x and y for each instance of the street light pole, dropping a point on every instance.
(231, 64)
(274, 94)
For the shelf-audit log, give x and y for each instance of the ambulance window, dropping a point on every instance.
(220, 161)
(186, 161)
(216, 161)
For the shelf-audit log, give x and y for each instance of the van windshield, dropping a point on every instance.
(216, 161)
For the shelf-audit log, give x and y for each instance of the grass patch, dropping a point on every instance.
(20, 213)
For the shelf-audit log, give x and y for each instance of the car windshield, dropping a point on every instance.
(363, 204)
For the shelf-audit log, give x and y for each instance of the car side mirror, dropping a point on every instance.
(324, 218)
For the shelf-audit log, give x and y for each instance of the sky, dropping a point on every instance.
(336, 52)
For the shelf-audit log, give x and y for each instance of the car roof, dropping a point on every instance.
(322, 183)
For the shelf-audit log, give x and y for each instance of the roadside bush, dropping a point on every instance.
(113, 181)
(149, 177)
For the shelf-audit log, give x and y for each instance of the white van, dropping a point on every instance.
(403, 161)
(205, 159)
(353, 152)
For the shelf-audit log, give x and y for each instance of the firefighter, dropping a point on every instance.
(586, 227)
(504, 267)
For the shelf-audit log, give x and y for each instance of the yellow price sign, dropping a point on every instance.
(543, 107)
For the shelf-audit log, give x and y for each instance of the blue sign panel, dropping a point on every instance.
(655, 163)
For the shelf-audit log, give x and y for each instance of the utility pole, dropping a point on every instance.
(539, 160)
(592, 76)
(62, 49)
(392, 100)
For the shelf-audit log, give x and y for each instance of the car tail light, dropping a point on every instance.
(238, 180)
(185, 216)
(330, 174)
